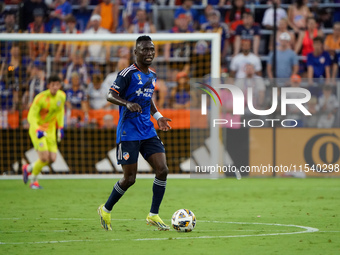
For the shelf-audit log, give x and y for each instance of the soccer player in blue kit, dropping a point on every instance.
(132, 91)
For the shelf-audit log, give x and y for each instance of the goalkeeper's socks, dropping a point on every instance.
(158, 193)
(38, 166)
(34, 178)
(116, 194)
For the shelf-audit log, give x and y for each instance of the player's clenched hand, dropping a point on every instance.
(134, 107)
(163, 123)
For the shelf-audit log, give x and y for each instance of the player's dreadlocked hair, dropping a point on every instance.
(143, 38)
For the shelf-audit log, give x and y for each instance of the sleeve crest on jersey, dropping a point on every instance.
(115, 86)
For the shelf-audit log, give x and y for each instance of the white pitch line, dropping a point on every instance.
(330, 231)
(145, 230)
(62, 241)
(305, 231)
(80, 219)
(91, 176)
(36, 231)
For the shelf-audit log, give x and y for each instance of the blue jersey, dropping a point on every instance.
(135, 86)
(6, 95)
(75, 97)
(319, 64)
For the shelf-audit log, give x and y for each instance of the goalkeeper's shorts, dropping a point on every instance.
(46, 143)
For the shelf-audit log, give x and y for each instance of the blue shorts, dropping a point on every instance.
(128, 151)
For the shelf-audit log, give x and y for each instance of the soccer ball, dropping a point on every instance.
(183, 220)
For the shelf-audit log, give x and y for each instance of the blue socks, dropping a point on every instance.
(116, 194)
(158, 193)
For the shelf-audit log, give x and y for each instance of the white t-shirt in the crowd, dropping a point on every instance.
(97, 50)
(268, 18)
(239, 62)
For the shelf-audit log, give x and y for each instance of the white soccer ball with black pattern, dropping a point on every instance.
(183, 220)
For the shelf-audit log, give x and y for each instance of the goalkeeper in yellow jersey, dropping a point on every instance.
(45, 115)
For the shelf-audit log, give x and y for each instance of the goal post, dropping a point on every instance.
(215, 59)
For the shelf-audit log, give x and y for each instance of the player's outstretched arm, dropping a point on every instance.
(161, 121)
(114, 98)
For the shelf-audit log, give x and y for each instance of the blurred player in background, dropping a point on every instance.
(132, 91)
(45, 114)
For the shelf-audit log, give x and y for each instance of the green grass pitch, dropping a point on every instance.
(232, 217)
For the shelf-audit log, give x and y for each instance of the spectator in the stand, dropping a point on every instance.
(79, 66)
(268, 18)
(13, 73)
(98, 52)
(234, 17)
(287, 62)
(123, 62)
(142, 25)
(217, 3)
(38, 49)
(324, 18)
(203, 18)
(76, 97)
(97, 93)
(239, 62)
(305, 39)
(108, 122)
(130, 11)
(181, 49)
(247, 31)
(83, 13)
(160, 94)
(8, 101)
(298, 14)
(165, 19)
(332, 42)
(181, 94)
(37, 82)
(318, 63)
(57, 17)
(214, 25)
(282, 28)
(336, 68)
(67, 49)
(10, 25)
(251, 80)
(14, 69)
(109, 12)
(186, 8)
(328, 107)
(26, 12)
(38, 25)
